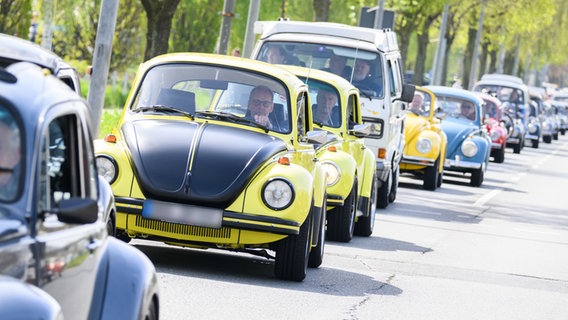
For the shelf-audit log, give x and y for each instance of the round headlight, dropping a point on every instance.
(107, 168)
(532, 128)
(469, 148)
(424, 145)
(494, 135)
(332, 173)
(278, 194)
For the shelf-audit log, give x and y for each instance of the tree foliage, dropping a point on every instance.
(15, 17)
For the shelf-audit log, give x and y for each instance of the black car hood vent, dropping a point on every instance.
(189, 162)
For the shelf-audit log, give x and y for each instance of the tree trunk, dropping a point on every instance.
(467, 58)
(160, 15)
(321, 10)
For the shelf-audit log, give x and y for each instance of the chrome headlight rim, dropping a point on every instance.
(332, 172)
(424, 145)
(494, 135)
(110, 167)
(277, 183)
(469, 148)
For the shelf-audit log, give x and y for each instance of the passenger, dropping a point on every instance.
(337, 65)
(362, 75)
(276, 55)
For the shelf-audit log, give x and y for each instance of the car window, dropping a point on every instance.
(202, 88)
(342, 61)
(457, 108)
(67, 165)
(11, 149)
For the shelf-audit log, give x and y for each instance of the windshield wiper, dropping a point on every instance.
(229, 117)
(4, 169)
(162, 108)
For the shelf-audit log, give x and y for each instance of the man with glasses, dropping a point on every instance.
(260, 105)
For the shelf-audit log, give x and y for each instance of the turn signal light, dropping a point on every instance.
(284, 161)
(332, 148)
(382, 153)
(110, 138)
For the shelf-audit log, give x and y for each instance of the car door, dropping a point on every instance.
(66, 255)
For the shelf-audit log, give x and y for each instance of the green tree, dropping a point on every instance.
(15, 17)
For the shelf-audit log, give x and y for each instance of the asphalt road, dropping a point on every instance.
(495, 252)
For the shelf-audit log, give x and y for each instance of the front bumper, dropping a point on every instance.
(421, 161)
(134, 220)
(458, 163)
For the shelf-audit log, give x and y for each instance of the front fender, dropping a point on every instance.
(347, 167)
(126, 284)
(366, 173)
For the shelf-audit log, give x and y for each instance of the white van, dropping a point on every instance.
(370, 59)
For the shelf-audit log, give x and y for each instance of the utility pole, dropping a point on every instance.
(379, 14)
(101, 62)
(473, 72)
(225, 33)
(254, 8)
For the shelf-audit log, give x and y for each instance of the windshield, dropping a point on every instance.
(218, 92)
(327, 107)
(10, 156)
(457, 108)
(362, 68)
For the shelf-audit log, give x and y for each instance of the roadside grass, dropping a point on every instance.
(109, 120)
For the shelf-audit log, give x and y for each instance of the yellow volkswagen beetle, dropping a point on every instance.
(425, 142)
(213, 151)
(349, 166)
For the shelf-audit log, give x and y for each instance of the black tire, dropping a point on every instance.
(365, 224)
(430, 181)
(292, 253)
(534, 144)
(517, 147)
(111, 230)
(547, 139)
(555, 136)
(440, 178)
(121, 235)
(499, 155)
(383, 194)
(316, 254)
(394, 186)
(152, 311)
(476, 178)
(562, 131)
(341, 220)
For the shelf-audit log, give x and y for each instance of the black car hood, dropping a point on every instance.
(197, 163)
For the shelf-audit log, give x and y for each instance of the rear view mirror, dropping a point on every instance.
(214, 84)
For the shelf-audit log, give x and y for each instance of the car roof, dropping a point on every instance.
(228, 61)
(382, 39)
(16, 49)
(455, 92)
(502, 77)
(33, 92)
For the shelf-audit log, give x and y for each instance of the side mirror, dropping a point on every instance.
(407, 92)
(317, 136)
(78, 211)
(361, 130)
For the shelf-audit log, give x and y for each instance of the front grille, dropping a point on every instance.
(183, 229)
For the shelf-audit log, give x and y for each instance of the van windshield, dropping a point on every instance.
(362, 68)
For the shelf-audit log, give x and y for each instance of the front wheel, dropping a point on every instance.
(292, 254)
(499, 155)
(341, 221)
(394, 186)
(476, 178)
(316, 254)
(365, 224)
(383, 193)
(431, 176)
(534, 144)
